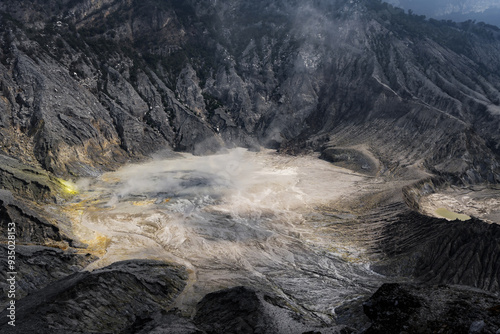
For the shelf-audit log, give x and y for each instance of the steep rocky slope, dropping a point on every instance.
(396, 308)
(111, 300)
(98, 83)
(437, 251)
(88, 86)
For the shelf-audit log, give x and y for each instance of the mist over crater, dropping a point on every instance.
(274, 166)
(237, 218)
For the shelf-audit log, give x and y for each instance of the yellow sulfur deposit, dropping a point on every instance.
(144, 203)
(68, 187)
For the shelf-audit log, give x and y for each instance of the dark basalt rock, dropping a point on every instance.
(30, 226)
(38, 266)
(439, 251)
(162, 322)
(244, 310)
(236, 310)
(397, 307)
(406, 308)
(109, 300)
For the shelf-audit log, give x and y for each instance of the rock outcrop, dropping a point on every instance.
(439, 251)
(39, 266)
(115, 299)
(243, 310)
(406, 308)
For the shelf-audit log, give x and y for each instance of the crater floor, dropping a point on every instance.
(294, 226)
(263, 220)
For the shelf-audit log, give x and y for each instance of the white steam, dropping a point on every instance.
(239, 218)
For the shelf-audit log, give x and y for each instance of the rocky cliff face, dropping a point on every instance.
(441, 252)
(88, 86)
